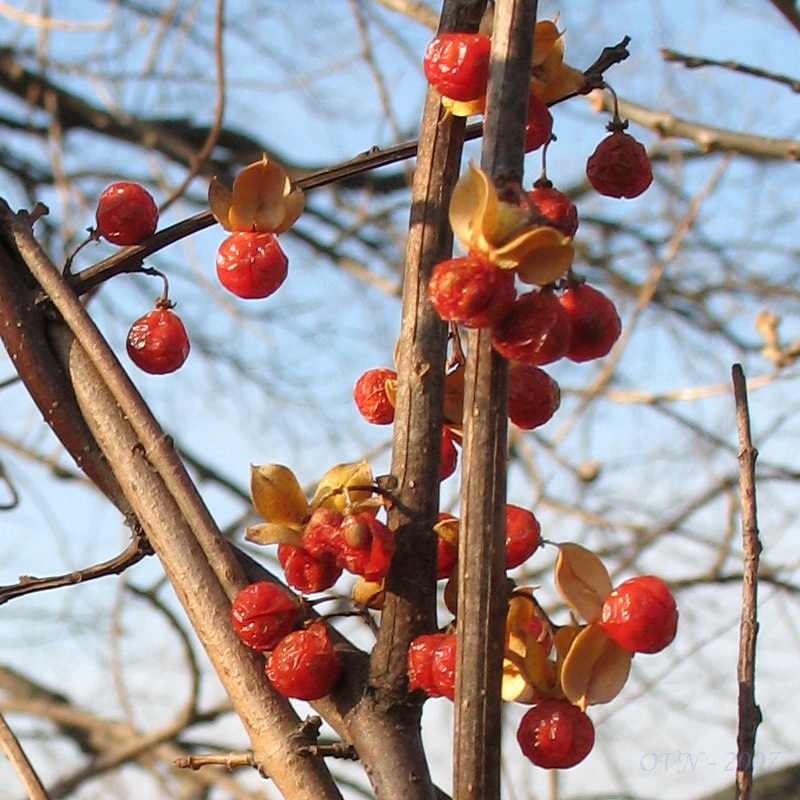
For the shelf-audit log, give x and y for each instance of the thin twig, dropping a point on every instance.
(749, 712)
(336, 750)
(17, 758)
(136, 550)
(230, 761)
(693, 62)
(13, 500)
(219, 111)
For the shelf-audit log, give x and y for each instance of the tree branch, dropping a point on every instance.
(707, 138)
(693, 62)
(19, 761)
(482, 586)
(749, 712)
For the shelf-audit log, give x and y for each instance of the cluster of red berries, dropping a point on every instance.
(532, 330)
(333, 542)
(126, 215)
(302, 664)
(457, 66)
(249, 264)
(523, 539)
(373, 394)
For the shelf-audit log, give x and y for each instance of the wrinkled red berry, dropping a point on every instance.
(523, 536)
(539, 124)
(370, 396)
(304, 664)
(322, 534)
(555, 207)
(595, 322)
(536, 331)
(443, 666)
(420, 661)
(554, 734)
(533, 396)
(619, 166)
(126, 213)
(157, 342)
(262, 614)
(471, 291)
(457, 64)
(251, 264)
(366, 546)
(449, 454)
(306, 573)
(640, 615)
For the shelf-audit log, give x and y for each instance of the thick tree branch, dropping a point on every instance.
(200, 565)
(409, 609)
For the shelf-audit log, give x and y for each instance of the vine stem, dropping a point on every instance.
(749, 711)
(482, 586)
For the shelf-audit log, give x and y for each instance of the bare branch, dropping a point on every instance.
(132, 554)
(416, 11)
(19, 761)
(708, 138)
(482, 584)
(693, 62)
(749, 712)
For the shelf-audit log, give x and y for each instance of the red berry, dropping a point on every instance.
(554, 734)
(523, 536)
(251, 264)
(555, 207)
(536, 331)
(539, 125)
(533, 396)
(371, 399)
(322, 534)
(619, 166)
(262, 614)
(126, 213)
(457, 64)
(157, 342)
(366, 546)
(595, 322)
(471, 291)
(306, 573)
(304, 664)
(443, 666)
(449, 454)
(640, 615)
(446, 558)
(420, 661)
